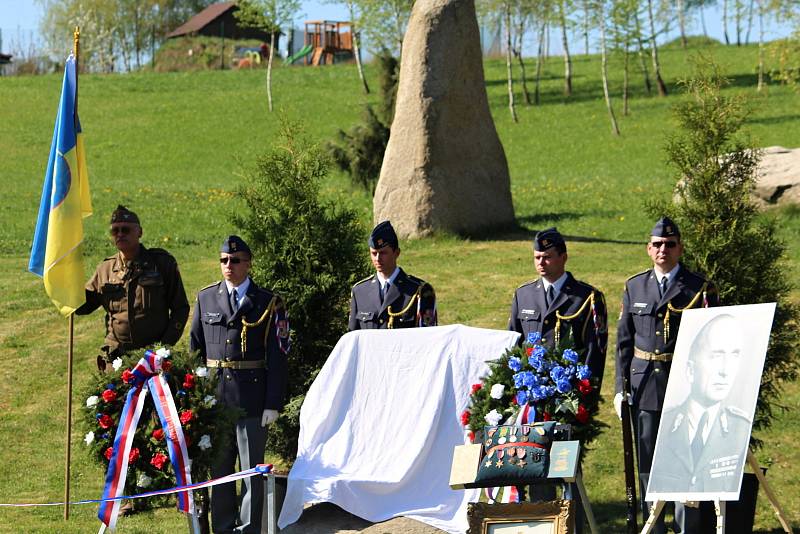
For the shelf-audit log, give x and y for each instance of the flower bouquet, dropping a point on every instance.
(207, 425)
(533, 383)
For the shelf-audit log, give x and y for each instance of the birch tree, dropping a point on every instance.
(604, 65)
(662, 87)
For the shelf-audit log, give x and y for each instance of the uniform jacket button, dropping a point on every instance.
(228, 341)
(661, 315)
(658, 333)
(546, 321)
(230, 324)
(657, 351)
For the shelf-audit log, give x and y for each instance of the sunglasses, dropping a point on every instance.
(667, 244)
(231, 260)
(124, 230)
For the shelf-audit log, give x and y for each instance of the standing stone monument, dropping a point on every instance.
(444, 167)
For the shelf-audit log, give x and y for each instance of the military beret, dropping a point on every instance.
(234, 243)
(123, 215)
(547, 239)
(383, 235)
(665, 228)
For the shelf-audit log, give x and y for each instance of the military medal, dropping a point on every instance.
(521, 463)
(501, 441)
(526, 430)
(521, 452)
(499, 463)
(492, 431)
(512, 452)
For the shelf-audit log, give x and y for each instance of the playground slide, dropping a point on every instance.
(298, 55)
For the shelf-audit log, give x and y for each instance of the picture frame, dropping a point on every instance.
(549, 517)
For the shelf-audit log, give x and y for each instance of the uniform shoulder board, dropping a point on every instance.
(209, 286)
(159, 251)
(638, 274)
(588, 286)
(367, 279)
(417, 280)
(738, 412)
(529, 282)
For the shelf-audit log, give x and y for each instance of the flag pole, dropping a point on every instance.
(76, 36)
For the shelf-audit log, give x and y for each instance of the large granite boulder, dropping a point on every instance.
(444, 167)
(779, 176)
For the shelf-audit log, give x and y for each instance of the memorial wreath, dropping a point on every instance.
(205, 424)
(531, 383)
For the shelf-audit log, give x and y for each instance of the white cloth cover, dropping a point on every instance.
(379, 423)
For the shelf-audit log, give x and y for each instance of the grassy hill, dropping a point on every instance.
(170, 146)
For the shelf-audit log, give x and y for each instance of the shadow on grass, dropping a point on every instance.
(518, 232)
(774, 120)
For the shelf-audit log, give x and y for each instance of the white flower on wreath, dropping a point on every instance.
(89, 437)
(493, 417)
(116, 364)
(163, 353)
(92, 401)
(205, 442)
(201, 372)
(497, 391)
(143, 481)
(210, 400)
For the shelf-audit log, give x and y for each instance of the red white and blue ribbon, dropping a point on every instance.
(146, 378)
(260, 469)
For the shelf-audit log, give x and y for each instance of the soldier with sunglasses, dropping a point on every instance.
(652, 304)
(140, 290)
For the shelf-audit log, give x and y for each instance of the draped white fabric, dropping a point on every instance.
(379, 423)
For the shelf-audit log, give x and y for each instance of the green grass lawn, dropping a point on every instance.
(171, 147)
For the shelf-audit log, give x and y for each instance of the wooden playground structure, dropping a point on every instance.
(327, 42)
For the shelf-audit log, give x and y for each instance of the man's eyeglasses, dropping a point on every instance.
(124, 230)
(231, 260)
(667, 244)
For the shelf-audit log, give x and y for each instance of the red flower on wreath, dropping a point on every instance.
(546, 416)
(582, 415)
(186, 416)
(584, 386)
(127, 376)
(109, 452)
(133, 455)
(105, 421)
(465, 417)
(109, 395)
(158, 460)
(158, 434)
(166, 365)
(471, 436)
(188, 381)
(529, 351)
(475, 388)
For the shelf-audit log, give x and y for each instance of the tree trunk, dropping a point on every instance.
(625, 77)
(539, 61)
(137, 40)
(614, 127)
(725, 21)
(749, 23)
(357, 54)
(586, 26)
(662, 87)
(738, 5)
(518, 53)
(760, 46)
(565, 46)
(682, 23)
(269, 68)
(511, 107)
(703, 20)
(642, 62)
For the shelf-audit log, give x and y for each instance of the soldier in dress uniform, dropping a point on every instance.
(390, 298)
(708, 436)
(242, 331)
(559, 307)
(139, 288)
(652, 304)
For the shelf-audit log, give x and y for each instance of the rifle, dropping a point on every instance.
(630, 473)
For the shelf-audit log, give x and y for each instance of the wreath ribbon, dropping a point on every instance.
(147, 377)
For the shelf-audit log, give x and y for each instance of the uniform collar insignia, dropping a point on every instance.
(723, 421)
(677, 423)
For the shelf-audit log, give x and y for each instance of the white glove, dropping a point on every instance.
(268, 417)
(618, 404)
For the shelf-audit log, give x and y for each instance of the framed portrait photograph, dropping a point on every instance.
(713, 385)
(550, 517)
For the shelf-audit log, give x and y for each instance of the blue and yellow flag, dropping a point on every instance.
(57, 251)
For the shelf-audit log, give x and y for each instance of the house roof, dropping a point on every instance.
(203, 18)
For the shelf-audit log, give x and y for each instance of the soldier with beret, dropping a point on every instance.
(140, 290)
(559, 307)
(390, 298)
(652, 303)
(242, 332)
(707, 435)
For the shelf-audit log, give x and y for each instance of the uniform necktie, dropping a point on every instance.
(234, 299)
(697, 442)
(548, 296)
(663, 286)
(384, 291)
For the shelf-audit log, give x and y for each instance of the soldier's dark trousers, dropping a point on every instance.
(251, 438)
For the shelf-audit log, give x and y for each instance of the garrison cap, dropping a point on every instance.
(123, 215)
(382, 235)
(665, 228)
(547, 239)
(234, 243)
